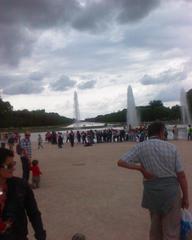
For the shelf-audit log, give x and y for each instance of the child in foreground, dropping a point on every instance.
(36, 172)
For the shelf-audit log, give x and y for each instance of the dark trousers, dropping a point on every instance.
(26, 168)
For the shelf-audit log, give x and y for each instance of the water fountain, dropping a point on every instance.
(186, 118)
(76, 111)
(132, 117)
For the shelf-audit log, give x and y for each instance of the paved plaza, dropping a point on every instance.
(83, 190)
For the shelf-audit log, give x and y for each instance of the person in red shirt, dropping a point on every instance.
(36, 172)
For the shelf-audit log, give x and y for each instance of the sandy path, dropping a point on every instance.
(83, 190)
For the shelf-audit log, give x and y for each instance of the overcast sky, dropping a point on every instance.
(49, 49)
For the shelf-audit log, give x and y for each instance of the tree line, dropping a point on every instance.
(25, 118)
(153, 111)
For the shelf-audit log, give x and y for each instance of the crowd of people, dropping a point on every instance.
(90, 137)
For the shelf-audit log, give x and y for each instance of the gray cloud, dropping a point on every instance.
(63, 84)
(37, 14)
(20, 84)
(169, 94)
(87, 85)
(23, 88)
(15, 43)
(5, 81)
(22, 21)
(99, 14)
(131, 11)
(164, 77)
(36, 76)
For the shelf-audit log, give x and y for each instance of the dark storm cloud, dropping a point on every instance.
(19, 19)
(99, 14)
(63, 84)
(23, 88)
(131, 10)
(15, 43)
(19, 84)
(37, 13)
(164, 77)
(22, 21)
(87, 85)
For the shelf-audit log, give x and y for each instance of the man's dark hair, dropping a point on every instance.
(155, 128)
(4, 153)
(79, 236)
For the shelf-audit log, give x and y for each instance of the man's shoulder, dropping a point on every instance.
(158, 142)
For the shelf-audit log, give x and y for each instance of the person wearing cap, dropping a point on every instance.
(17, 203)
(26, 154)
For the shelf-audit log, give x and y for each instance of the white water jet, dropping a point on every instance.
(76, 110)
(132, 117)
(186, 118)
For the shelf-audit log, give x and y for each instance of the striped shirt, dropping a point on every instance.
(158, 157)
(26, 145)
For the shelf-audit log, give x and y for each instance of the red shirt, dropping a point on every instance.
(35, 171)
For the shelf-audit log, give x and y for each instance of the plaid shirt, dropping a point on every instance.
(158, 157)
(26, 145)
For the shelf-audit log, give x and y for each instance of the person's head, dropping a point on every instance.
(35, 162)
(27, 134)
(156, 129)
(2, 145)
(78, 236)
(6, 163)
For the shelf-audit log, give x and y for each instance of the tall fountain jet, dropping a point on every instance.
(186, 118)
(76, 110)
(132, 117)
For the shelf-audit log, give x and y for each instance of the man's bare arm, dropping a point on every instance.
(147, 175)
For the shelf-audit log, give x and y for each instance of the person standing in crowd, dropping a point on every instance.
(160, 164)
(71, 138)
(26, 154)
(189, 132)
(165, 134)
(175, 132)
(40, 141)
(60, 140)
(11, 141)
(17, 202)
(78, 135)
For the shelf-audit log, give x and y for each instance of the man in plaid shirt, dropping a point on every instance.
(26, 154)
(160, 164)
